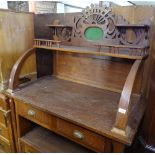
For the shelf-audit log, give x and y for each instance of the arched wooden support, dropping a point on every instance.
(124, 103)
(14, 76)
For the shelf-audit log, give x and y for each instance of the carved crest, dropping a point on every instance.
(114, 32)
(96, 15)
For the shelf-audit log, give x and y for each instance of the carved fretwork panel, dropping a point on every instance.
(95, 15)
(116, 29)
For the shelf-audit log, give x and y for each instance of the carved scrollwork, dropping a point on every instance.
(96, 15)
(139, 36)
(104, 18)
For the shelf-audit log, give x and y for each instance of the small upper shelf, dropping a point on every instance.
(119, 51)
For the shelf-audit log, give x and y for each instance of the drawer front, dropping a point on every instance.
(81, 135)
(36, 115)
(4, 132)
(4, 146)
(25, 148)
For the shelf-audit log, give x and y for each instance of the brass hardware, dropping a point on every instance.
(31, 112)
(78, 134)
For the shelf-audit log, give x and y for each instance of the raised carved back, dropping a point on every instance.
(117, 30)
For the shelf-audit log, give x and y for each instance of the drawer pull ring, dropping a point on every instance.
(31, 112)
(78, 134)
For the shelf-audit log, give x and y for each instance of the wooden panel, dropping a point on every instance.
(27, 148)
(81, 135)
(17, 34)
(91, 71)
(4, 132)
(4, 146)
(71, 101)
(44, 63)
(42, 140)
(148, 127)
(3, 119)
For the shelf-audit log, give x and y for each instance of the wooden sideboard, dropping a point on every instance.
(84, 117)
(88, 95)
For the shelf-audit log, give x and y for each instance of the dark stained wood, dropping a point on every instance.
(64, 107)
(71, 101)
(148, 126)
(44, 61)
(82, 135)
(39, 117)
(47, 142)
(27, 148)
(104, 73)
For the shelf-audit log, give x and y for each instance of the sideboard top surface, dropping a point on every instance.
(90, 107)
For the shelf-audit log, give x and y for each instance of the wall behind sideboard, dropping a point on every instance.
(16, 36)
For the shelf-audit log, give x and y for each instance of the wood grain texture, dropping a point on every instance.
(106, 73)
(17, 34)
(124, 103)
(148, 126)
(88, 138)
(71, 102)
(44, 141)
(16, 70)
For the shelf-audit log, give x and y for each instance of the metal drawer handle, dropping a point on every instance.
(78, 134)
(31, 112)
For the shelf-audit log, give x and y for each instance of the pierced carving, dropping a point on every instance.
(134, 36)
(121, 33)
(96, 15)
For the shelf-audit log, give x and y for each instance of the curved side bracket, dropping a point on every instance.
(124, 103)
(14, 76)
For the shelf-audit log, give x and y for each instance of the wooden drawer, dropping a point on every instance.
(4, 132)
(36, 115)
(81, 135)
(4, 146)
(26, 148)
